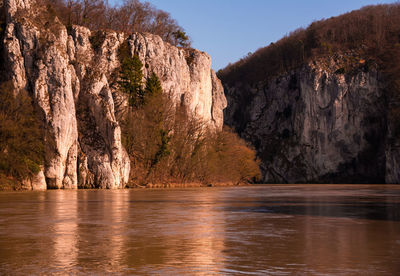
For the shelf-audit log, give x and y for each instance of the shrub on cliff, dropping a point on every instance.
(21, 142)
(166, 144)
(146, 134)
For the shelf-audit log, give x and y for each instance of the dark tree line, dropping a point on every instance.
(129, 17)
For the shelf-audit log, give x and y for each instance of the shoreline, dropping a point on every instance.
(151, 186)
(176, 186)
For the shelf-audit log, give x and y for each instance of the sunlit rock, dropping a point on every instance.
(74, 85)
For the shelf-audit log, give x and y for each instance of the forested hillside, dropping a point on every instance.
(323, 103)
(370, 35)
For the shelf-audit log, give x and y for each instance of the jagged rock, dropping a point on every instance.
(13, 57)
(74, 85)
(314, 125)
(185, 75)
(219, 102)
(13, 6)
(100, 136)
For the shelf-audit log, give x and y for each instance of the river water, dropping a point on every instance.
(263, 230)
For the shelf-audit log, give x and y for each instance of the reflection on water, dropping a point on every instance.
(102, 229)
(64, 229)
(277, 230)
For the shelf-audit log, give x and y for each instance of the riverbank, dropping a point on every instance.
(187, 185)
(7, 185)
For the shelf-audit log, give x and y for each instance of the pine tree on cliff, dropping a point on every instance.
(131, 80)
(153, 86)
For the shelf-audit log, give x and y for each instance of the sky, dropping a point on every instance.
(230, 29)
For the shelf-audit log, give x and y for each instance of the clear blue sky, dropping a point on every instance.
(230, 29)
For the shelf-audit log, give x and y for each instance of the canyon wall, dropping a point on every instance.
(318, 124)
(72, 73)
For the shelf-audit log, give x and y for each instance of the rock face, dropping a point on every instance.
(317, 124)
(71, 77)
(392, 149)
(184, 74)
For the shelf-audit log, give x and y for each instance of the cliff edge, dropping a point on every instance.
(71, 75)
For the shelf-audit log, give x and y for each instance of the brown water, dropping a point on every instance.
(266, 230)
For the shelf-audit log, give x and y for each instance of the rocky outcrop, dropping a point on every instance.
(317, 124)
(71, 75)
(185, 75)
(219, 102)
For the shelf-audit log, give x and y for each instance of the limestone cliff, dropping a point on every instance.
(317, 124)
(71, 75)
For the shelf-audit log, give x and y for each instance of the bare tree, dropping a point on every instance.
(131, 16)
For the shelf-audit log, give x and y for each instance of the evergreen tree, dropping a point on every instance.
(163, 147)
(153, 86)
(131, 80)
(181, 39)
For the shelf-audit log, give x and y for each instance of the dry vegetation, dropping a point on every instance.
(131, 16)
(21, 137)
(166, 144)
(372, 34)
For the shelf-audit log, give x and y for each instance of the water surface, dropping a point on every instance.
(263, 230)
